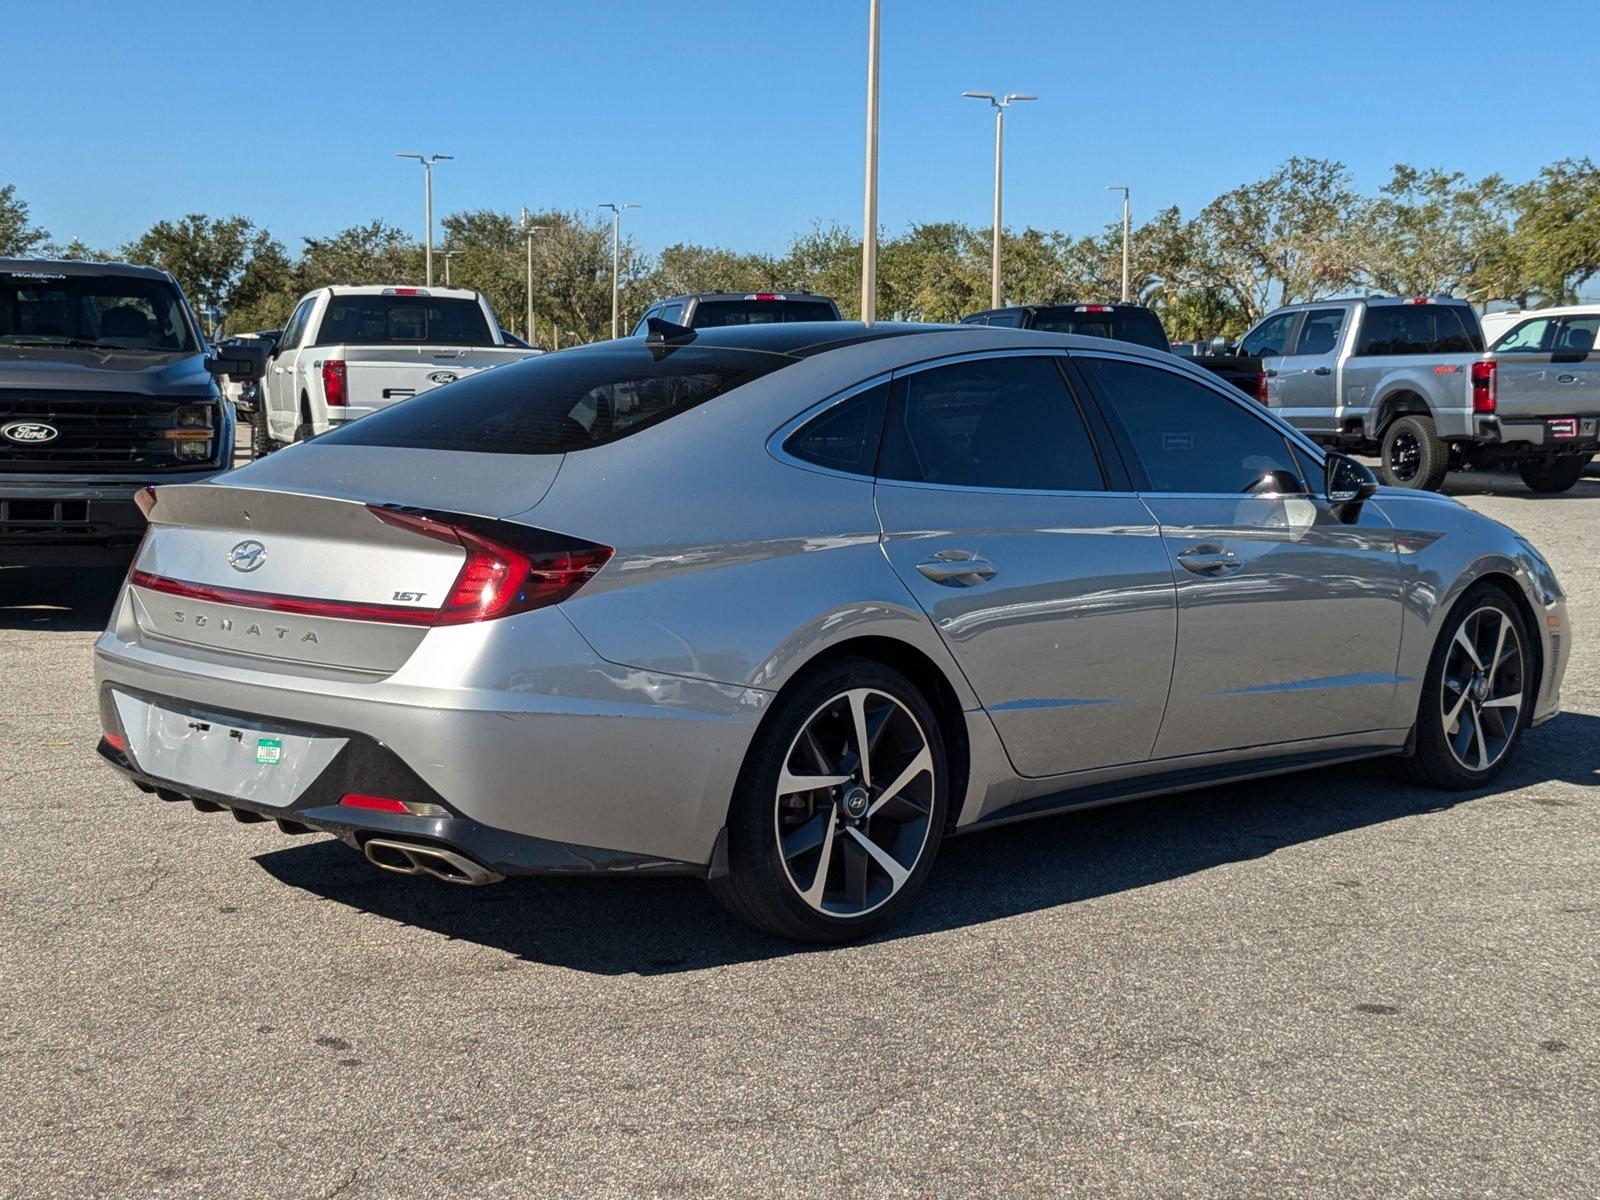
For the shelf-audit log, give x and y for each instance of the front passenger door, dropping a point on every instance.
(1289, 614)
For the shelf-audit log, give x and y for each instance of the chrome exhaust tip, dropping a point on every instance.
(415, 858)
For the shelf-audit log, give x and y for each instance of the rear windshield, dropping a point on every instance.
(388, 320)
(1122, 325)
(709, 314)
(116, 312)
(1419, 329)
(560, 402)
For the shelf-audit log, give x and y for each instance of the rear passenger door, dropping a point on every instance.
(1288, 616)
(1037, 564)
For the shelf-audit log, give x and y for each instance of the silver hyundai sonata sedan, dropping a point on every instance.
(785, 606)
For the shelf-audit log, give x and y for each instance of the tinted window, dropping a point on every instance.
(709, 314)
(116, 311)
(1189, 438)
(999, 423)
(1577, 335)
(846, 436)
(1120, 324)
(381, 320)
(1267, 339)
(1418, 329)
(1319, 332)
(560, 402)
(296, 327)
(1004, 320)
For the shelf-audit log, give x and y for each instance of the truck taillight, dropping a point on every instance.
(334, 380)
(1261, 385)
(145, 498)
(1483, 386)
(1093, 308)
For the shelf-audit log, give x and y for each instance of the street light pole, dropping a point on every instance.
(1000, 103)
(616, 256)
(1126, 232)
(447, 255)
(427, 162)
(869, 218)
(527, 232)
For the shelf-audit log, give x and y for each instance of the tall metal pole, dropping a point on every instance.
(1001, 103)
(527, 231)
(999, 165)
(427, 162)
(427, 204)
(616, 258)
(869, 218)
(1127, 237)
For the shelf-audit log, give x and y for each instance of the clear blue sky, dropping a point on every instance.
(741, 123)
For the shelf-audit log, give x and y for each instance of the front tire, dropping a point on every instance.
(261, 443)
(1412, 456)
(1477, 695)
(1552, 475)
(839, 809)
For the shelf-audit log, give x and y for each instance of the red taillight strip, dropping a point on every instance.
(302, 606)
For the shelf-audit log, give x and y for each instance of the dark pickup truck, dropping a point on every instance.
(1121, 322)
(106, 387)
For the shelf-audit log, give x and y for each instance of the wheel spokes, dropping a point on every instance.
(789, 783)
(808, 836)
(1499, 649)
(897, 874)
(1465, 643)
(858, 716)
(923, 762)
(819, 882)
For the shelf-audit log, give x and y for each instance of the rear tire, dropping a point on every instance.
(304, 431)
(838, 861)
(261, 443)
(1412, 456)
(1477, 695)
(1549, 476)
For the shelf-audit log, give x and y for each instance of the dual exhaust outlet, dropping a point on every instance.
(419, 858)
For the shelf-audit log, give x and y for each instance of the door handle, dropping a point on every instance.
(1209, 560)
(1323, 371)
(956, 567)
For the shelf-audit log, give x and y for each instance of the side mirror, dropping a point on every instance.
(240, 359)
(1345, 481)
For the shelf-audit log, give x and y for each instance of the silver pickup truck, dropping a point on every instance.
(1408, 379)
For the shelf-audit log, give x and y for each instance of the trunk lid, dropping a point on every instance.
(261, 548)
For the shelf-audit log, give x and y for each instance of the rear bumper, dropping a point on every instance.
(520, 732)
(318, 811)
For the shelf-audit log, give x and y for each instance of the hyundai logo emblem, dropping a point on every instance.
(247, 556)
(29, 433)
(442, 377)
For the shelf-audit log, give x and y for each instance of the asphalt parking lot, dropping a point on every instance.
(1325, 984)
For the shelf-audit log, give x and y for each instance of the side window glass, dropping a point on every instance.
(1189, 438)
(673, 313)
(1577, 335)
(1529, 335)
(1266, 339)
(845, 437)
(992, 423)
(1319, 332)
(1007, 320)
(297, 324)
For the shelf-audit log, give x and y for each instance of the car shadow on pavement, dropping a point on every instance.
(77, 597)
(658, 926)
(1510, 485)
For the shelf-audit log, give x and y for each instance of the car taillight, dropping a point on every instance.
(1093, 308)
(408, 808)
(334, 379)
(765, 296)
(1483, 386)
(1261, 385)
(498, 579)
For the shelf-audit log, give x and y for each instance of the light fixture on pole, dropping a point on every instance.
(869, 217)
(528, 227)
(616, 250)
(427, 162)
(1000, 103)
(1126, 230)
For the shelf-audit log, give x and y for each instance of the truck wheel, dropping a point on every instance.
(261, 443)
(1553, 475)
(1412, 456)
(304, 431)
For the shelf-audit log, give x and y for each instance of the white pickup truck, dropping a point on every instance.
(350, 351)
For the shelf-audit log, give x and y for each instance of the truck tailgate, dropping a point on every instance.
(1536, 386)
(378, 376)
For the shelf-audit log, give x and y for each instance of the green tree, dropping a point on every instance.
(1558, 228)
(19, 236)
(223, 261)
(1432, 232)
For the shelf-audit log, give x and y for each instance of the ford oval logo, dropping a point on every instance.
(247, 556)
(442, 377)
(1566, 379)
(29, 433)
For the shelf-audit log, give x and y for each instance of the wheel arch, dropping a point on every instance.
(1509, 584)
(925, 674)
(1399, 401)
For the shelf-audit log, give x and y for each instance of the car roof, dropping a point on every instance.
(382, 289)
(802, 339)
(77, 267)
(776, 294)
